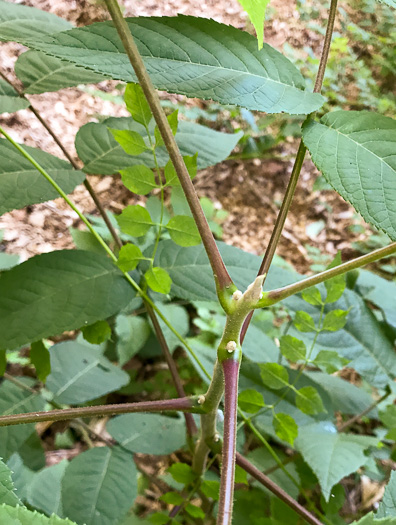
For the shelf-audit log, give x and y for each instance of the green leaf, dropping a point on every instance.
(97, 333)
(107, 493)
(85, 240)
(274, 376)
(285, 427)
(79, 374)
(256, 11)
(178, 318)
(7, 489)
(10, 101)
(355, 152)
(182, 473)
(308, 401)
(195, 511)
(129, 257)
(158, 280)
(250, 401)
(292, 348)
(14, 400)
(371, 518)
(335, 287)
(183, 231)
(21, 184)
(380, 292)
(312, 296)
(211, 489)
(170, 173)
(135, 220)
(387, 506)
(8, 261)
(330, 361)
(132, 332)
(40, 359)
(139, 179)
(148, 433)
(3, 362)
(38, 298)
(137, 104)
(335, 320)
(332, 455)
(172, 498)
(44, 491)
(304, 322)
(101, 154)
(229, 69)
(41, 73)
(28, 22)
(130, 141)
(173, 123)
(390, 3)
(23, 516)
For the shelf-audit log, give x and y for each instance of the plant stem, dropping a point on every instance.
(355, 418)
(231, 371)
(276, 490)
(274, 296)
(290, 190)
(222, 278)
(86, 182)
(186, 404)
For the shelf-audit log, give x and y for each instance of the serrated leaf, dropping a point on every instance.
(371, 519)
(256, 11)
(107, 492)
(137, 104)
(38, 298)
(173, 123)
(312, 296)
(139, 179)
(308, 401)
(132, 332)
(274, 376)
(183, 231)
(41, 73)
(303, 322)
(285, 427)
(40, 359)
(387, 506)
(292, 348)
(97, 333)
(130, 141)
(44, 491)
(79, 373)
(129, 257)
(19, 21)
(102, 155)
(330, 361)
(14, 400)
(7, 489)
(335, 320)
(158, 280)
(135, 220)
(10, 101)
(23, 516)
(21, 184)
(229, 69)
(148, 433)
(355, 152)
(332, 455)
(250, 401)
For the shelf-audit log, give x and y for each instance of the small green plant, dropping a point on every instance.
(276, 448)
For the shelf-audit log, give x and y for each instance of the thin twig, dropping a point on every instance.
(364, 412)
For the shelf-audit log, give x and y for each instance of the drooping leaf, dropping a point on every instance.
(48, 294)
(7, 489)
(41, 73)
(148, 433)
(183, 231)
(139, 179)
(256, 11)
(135, 220)
(40, 359)
(228, 69)
(137, 104)
(10, 101)
(14, 400)
(21, 184)
(332, 455)
(22, 516)
(387, 506)
(132, 332)
(108, 490)
(102, 155)
(285, 427)
(355, 151)
(250, 401)
(158, 280)
(44, 492)
(19, 21)
(79, 373)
